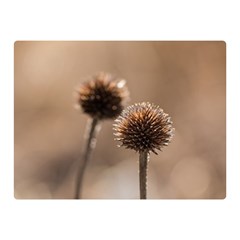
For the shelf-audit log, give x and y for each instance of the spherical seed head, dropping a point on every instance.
(103, 97)
(143, 127)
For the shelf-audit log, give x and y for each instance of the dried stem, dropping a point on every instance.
(92, 130)
(143, 161)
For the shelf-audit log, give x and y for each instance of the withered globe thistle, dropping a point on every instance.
(143, 127)
(103, 97)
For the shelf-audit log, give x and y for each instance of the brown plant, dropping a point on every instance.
(101, 98)
(143, 127)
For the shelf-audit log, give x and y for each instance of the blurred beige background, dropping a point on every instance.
(187, 79)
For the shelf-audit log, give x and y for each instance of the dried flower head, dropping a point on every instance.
(143, 127)
(102, 97)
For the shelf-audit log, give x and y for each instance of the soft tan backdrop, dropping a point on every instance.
(187, 79)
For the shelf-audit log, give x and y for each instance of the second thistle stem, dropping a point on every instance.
(143, 161)
(90, 144)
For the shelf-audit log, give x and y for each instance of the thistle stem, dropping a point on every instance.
(90, 145)
(143, 161)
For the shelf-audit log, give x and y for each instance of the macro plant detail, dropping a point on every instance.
(63, 123)
(145, 128)
(102, 97)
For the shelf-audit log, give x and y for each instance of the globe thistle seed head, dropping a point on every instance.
(143, 127)
(103, 97)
